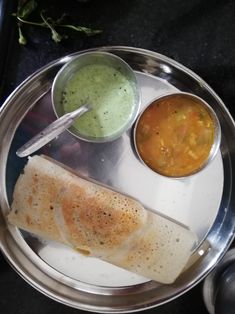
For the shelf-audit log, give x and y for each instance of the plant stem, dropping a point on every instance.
(55, 35)
(86, 30)
(31, 23)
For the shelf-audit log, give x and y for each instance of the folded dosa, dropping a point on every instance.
(53, 202)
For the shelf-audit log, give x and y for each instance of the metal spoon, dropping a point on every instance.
(50, 132)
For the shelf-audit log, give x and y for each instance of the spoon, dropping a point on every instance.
(51, 131)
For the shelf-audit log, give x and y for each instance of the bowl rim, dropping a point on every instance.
(137, 96)
(217, 138)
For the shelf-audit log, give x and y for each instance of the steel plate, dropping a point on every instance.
(204, 201)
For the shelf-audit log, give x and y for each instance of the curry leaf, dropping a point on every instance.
(22, 39)
(26, 8)
(85, 30)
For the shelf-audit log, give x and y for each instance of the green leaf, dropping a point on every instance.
(88, 31)
(85, 30)
(56, 36)
(22, 40)
(27, 8)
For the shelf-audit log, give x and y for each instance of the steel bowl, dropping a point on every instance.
(76, 64)
(217, 131)
(218, 286)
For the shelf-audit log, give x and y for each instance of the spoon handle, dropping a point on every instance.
(51, 131)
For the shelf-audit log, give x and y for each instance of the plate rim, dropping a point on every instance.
(62, 61)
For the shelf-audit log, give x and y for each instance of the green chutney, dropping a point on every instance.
(109, 92)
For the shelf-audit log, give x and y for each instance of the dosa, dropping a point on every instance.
(53, 202)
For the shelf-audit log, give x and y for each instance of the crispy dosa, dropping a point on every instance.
(55, 203)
